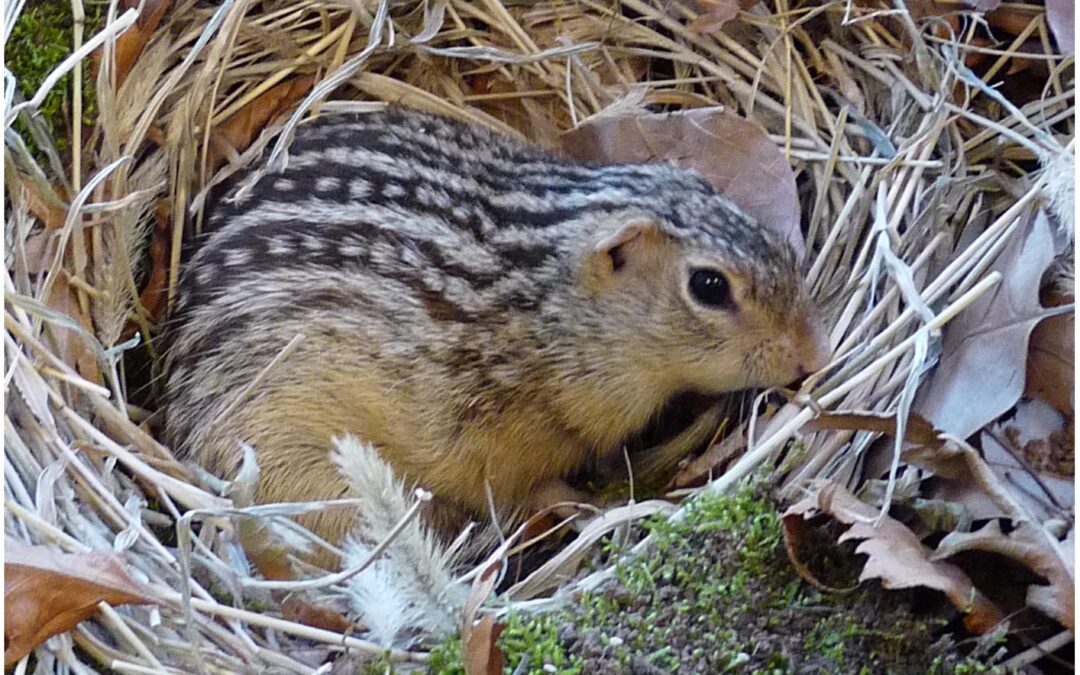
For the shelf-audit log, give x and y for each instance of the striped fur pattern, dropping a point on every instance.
(462, 310)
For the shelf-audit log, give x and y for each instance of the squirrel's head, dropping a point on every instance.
(709, 306)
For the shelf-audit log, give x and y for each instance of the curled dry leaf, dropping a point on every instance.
(731, 152)
(266, 552)
(796, 531)
(1052, 357)
(926, 449)
(262, 542)
(955, 488)
(1029, 546)
(895, 555)
(479, 592)
(984, 350)
(130, 43)
(47, 592)
(917, 430)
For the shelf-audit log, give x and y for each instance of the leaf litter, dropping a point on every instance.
(895, 555)
(984, 350)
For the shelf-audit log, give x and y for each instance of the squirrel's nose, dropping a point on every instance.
(815, 351)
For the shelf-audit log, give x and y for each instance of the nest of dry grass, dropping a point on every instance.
(914, 174)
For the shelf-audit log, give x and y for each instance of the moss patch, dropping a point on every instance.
(536, 639)
(717, 594)
(41, 39)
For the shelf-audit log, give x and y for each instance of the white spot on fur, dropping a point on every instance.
(284, 185)
(312, 243)
(359, 188)
(327, 183)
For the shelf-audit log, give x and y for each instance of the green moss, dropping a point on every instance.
(41, 39)
(532, 638)
(716, 593)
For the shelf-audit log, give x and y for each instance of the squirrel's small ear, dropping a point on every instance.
(633, 243)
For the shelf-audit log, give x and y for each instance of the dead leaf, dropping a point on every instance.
(964, 493)
(926, 449)
(41, 249)
(71, 346)
(478, 638)
(711, 460)
(264, 543)
(917, 430)
(482, 653)
(714, 14)
(155, 293)
(1060, 14)
(47, 592)
(1043, 495)
(895, 555)
(954, 488)
(237, 132)
(731, 152)
(479, 592)
(1029, 546)
(1052, 357)
(984, 350)
(45, 207)
(130, 43)
(302, 610)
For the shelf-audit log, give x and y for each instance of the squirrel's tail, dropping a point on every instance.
(409, 591)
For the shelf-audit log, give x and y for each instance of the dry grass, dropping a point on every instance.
(912, 171)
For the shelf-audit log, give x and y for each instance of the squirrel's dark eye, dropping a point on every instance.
(710, 288)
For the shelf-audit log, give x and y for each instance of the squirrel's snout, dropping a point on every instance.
(812, 351)
(815, 348)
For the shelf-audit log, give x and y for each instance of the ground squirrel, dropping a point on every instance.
(486, 314)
